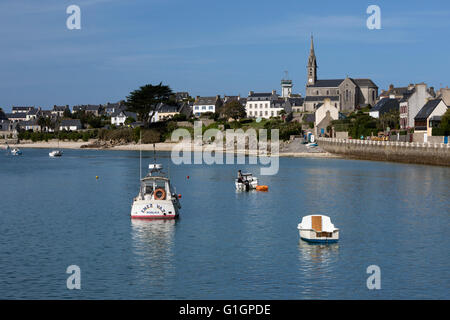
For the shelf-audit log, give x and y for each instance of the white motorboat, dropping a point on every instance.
(55, 153)
(248, 182)
(16, 152)
(156, 198)
(318, 229)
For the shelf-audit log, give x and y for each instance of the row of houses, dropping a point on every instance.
(419, 106)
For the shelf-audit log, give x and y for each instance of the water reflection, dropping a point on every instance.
(153, 242)
(323, 254)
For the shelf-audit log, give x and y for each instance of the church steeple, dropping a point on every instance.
(312, 65)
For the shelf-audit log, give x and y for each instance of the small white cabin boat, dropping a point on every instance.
(318, 229)
(55, 153)
(16, 152)
(156, 198)
(248, 182)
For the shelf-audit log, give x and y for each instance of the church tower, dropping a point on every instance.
(312, 65)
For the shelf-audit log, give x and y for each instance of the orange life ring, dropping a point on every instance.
(162, 196)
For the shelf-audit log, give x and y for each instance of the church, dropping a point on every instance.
(346, 94)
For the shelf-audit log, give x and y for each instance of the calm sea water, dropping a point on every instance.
(226, 245)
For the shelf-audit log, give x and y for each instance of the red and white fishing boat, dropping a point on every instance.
(156, 198)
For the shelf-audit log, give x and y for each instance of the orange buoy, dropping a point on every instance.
(262, 188)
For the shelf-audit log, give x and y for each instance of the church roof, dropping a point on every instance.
(364, 83)
(330, 83)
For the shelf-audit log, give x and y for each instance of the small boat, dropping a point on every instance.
(318, 229)
(312, 145)
(16, 152)
(156, 198)
(248, 182)
(55, 153)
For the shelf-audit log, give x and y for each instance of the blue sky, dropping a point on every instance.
(211, 47)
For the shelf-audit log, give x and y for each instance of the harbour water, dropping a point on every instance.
(226, 245)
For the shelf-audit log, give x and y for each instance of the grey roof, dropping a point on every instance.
(33, 112)
(330, 83)
(18, 108)
(258, 96)
(70, 122)
(206, 101)
(385, 105)
(321, 98)
(364, 83)
(60, 108)
(32, 122)
(296, 101)
(91, 107)
(165, 108)
(427, 109)
(18, 115)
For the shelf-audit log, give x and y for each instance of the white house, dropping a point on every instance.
(432, 109)
(118, 118)
(412, 102)
(265, 105)
(325, 113)
(70, 125)
(206, 104)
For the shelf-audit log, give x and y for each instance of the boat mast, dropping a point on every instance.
(140, 155)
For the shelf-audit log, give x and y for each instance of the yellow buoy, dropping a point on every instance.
(96, 177)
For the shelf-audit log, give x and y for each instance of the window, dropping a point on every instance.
(210, 107)
(267, 105)
(266, 113)
(204, 108)
(196, 108)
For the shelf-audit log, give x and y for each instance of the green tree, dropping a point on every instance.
(234, 109)
(445, 121)
(144, 100)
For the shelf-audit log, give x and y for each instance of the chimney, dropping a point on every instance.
(250, 93)
(197, 98)
(274, 92)
(432, 91)
(391, 87)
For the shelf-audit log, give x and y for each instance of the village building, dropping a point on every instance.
(383, 106)
(325, 113)
(118, 118)
(346, 94)
(70, 125)
(16, 109)
(17, 116)
(58, 111)
(411, 103)
(206, 104)
(429, 116)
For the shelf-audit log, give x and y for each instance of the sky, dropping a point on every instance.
(209, 47)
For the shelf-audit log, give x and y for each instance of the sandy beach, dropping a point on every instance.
(296, 151)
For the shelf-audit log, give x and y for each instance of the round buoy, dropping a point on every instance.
(179, 196)
(96, 177)
(187, 177)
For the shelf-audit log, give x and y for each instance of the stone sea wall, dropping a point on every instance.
(408, 152)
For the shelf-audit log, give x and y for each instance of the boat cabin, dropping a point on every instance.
(157, 188)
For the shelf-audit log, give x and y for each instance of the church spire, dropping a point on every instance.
(312, 65)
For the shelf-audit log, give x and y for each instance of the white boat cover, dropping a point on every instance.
(327, 226)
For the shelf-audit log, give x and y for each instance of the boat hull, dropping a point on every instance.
(154, 209)
(312, 236)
